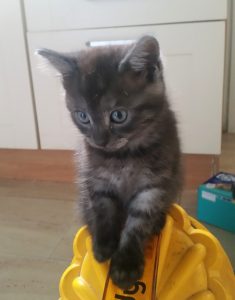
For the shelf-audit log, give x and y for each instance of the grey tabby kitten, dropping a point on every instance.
(129, 159)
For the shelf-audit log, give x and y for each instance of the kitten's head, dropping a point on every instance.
(115, 94)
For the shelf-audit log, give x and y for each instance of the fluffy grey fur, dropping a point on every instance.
(129, 171)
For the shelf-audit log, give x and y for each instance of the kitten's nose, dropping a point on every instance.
(101, 141)
(100, 138)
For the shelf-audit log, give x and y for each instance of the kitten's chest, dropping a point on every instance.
(122, 177)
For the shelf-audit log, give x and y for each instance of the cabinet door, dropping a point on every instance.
(193, 55)
(17, 125)
(50, 15)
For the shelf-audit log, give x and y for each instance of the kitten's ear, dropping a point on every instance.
(143, 56)
(64, 64)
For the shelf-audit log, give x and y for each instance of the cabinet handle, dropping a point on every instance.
(94, 44)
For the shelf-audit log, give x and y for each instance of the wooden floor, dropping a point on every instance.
(38, 221)
(37, 226)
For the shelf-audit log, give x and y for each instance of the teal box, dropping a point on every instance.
(216, 203)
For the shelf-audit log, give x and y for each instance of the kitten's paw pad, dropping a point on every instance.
(104, 252)
(125, 274)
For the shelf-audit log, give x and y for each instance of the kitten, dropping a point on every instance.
(129, 159)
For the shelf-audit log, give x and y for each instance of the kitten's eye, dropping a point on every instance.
(82, 117)
(118, 116)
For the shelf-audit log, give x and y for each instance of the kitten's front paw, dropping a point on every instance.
(104, 251)
(125, 271)
(160, 223)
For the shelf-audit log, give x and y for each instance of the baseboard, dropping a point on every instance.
(42, 165)
(58, 165)
(198, 168)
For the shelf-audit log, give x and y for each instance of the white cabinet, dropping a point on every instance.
(17, 124)
(48, 15)
(194, 63)
(191, 35)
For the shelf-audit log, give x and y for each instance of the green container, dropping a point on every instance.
(216, 204)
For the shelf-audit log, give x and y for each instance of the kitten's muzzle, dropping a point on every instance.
(100, 139)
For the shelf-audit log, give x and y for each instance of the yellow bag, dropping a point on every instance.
(185, 262)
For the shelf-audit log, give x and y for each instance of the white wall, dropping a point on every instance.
(231, 114)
